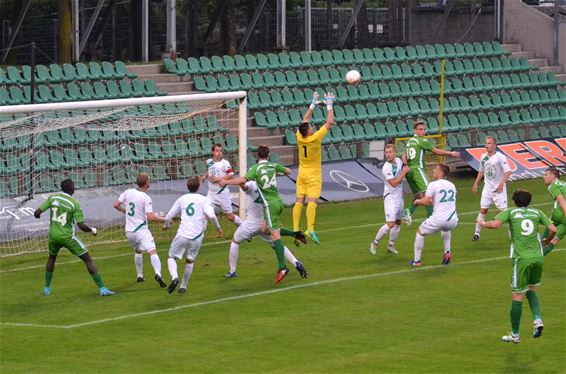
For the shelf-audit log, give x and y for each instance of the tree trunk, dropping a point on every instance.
(227, 31)
(136, 27)
(12, 58)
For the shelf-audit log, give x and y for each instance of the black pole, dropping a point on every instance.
(32, 83)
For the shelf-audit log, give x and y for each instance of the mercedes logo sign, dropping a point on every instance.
(348, 181)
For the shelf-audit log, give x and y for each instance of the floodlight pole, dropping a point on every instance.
(281, 24)
(145, 30)
(75, 27)
(308, 26)
(171, 46)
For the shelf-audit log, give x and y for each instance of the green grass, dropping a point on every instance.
(355, 313)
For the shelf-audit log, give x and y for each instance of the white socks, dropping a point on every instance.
(138, 260)
(156, 263)
(419, 244)
(187, 274)
(233, 256)
(394, 234)
(289, 257)
(172, 266)
(446, 236)
(478, 227)
(383, 230)
(237, 220)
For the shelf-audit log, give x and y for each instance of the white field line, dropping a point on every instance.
(228, 241)
(251, 295)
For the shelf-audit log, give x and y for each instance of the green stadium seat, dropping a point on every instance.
(14, 75)
(262, 61)
(229, 64)
(193, 66)
(121, 69)
(217, 64)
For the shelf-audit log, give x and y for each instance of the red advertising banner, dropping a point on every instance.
(528, 159)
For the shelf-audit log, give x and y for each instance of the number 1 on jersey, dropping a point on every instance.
(305, 150)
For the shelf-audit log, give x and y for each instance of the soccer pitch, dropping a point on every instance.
(355, 313)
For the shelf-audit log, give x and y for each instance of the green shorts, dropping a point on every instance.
(526, 272)
(74, 245)
(272, 211)
(418, 180)
(560, 230)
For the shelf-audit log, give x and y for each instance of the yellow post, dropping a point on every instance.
(441, 100)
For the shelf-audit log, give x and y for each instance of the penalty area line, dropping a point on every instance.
(254, 294)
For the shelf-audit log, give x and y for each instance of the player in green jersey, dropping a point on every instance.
(65, 213)
(415, 157)
(557, 189)
(265, 174)
(527, 255)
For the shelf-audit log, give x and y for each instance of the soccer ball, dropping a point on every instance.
(353, 77)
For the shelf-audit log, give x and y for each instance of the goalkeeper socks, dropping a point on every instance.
(172, 265)
(478, 227)
(48, 278)
(280, 253)
(446, 236)
(97, 279)
(233, 256)
(516, 310)
(546, 250)
(237, 220)
(187, 274)
(138, 260)
(534, 304)
(383, 230)
(156, 263)
(289, 256)
(311, 215)
(428, 209)
(418, 249)
(287, 232)
(297, 212)
(394, 234)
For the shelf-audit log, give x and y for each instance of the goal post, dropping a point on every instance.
(102, 146)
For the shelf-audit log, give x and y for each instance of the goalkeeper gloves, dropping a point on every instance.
(314, 100)
(329, 100)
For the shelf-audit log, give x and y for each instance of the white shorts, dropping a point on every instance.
(490, 197)
(248, 230)
(182, 246)
(393, 209)
(141, 240)
(221, 202)
(431, 226)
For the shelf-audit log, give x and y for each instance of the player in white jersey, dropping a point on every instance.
(219, 197)
(495, 170)
(393, 174)
(137, 208)
(441, 194)
(252, 226)
(195, 212)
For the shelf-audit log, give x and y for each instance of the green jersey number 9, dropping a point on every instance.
(527, 227)
(411, 153)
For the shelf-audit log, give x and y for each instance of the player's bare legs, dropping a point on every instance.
(392, 228)
(91, 267)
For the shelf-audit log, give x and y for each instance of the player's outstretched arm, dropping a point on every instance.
(477, 181)
(426, 200)
(37, 213)
(314, 101)
(235, 181)
(174, 211)
(493, 224)
(84, 227)
(154, 217)
(329, 98)
(209, 212)
(437, 151)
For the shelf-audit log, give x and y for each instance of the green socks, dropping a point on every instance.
(534, 304)
(546, 250)
(412, 208)
(280, 253)
(286, 232)
(97, 279)
(516, 310)
(428, 209)
(48, 277)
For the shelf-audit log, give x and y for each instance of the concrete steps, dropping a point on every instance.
(512, 47)
(145, 69)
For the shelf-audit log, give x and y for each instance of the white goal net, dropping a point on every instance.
(102, 146)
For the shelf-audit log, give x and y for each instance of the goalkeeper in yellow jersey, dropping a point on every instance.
(309, 180)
